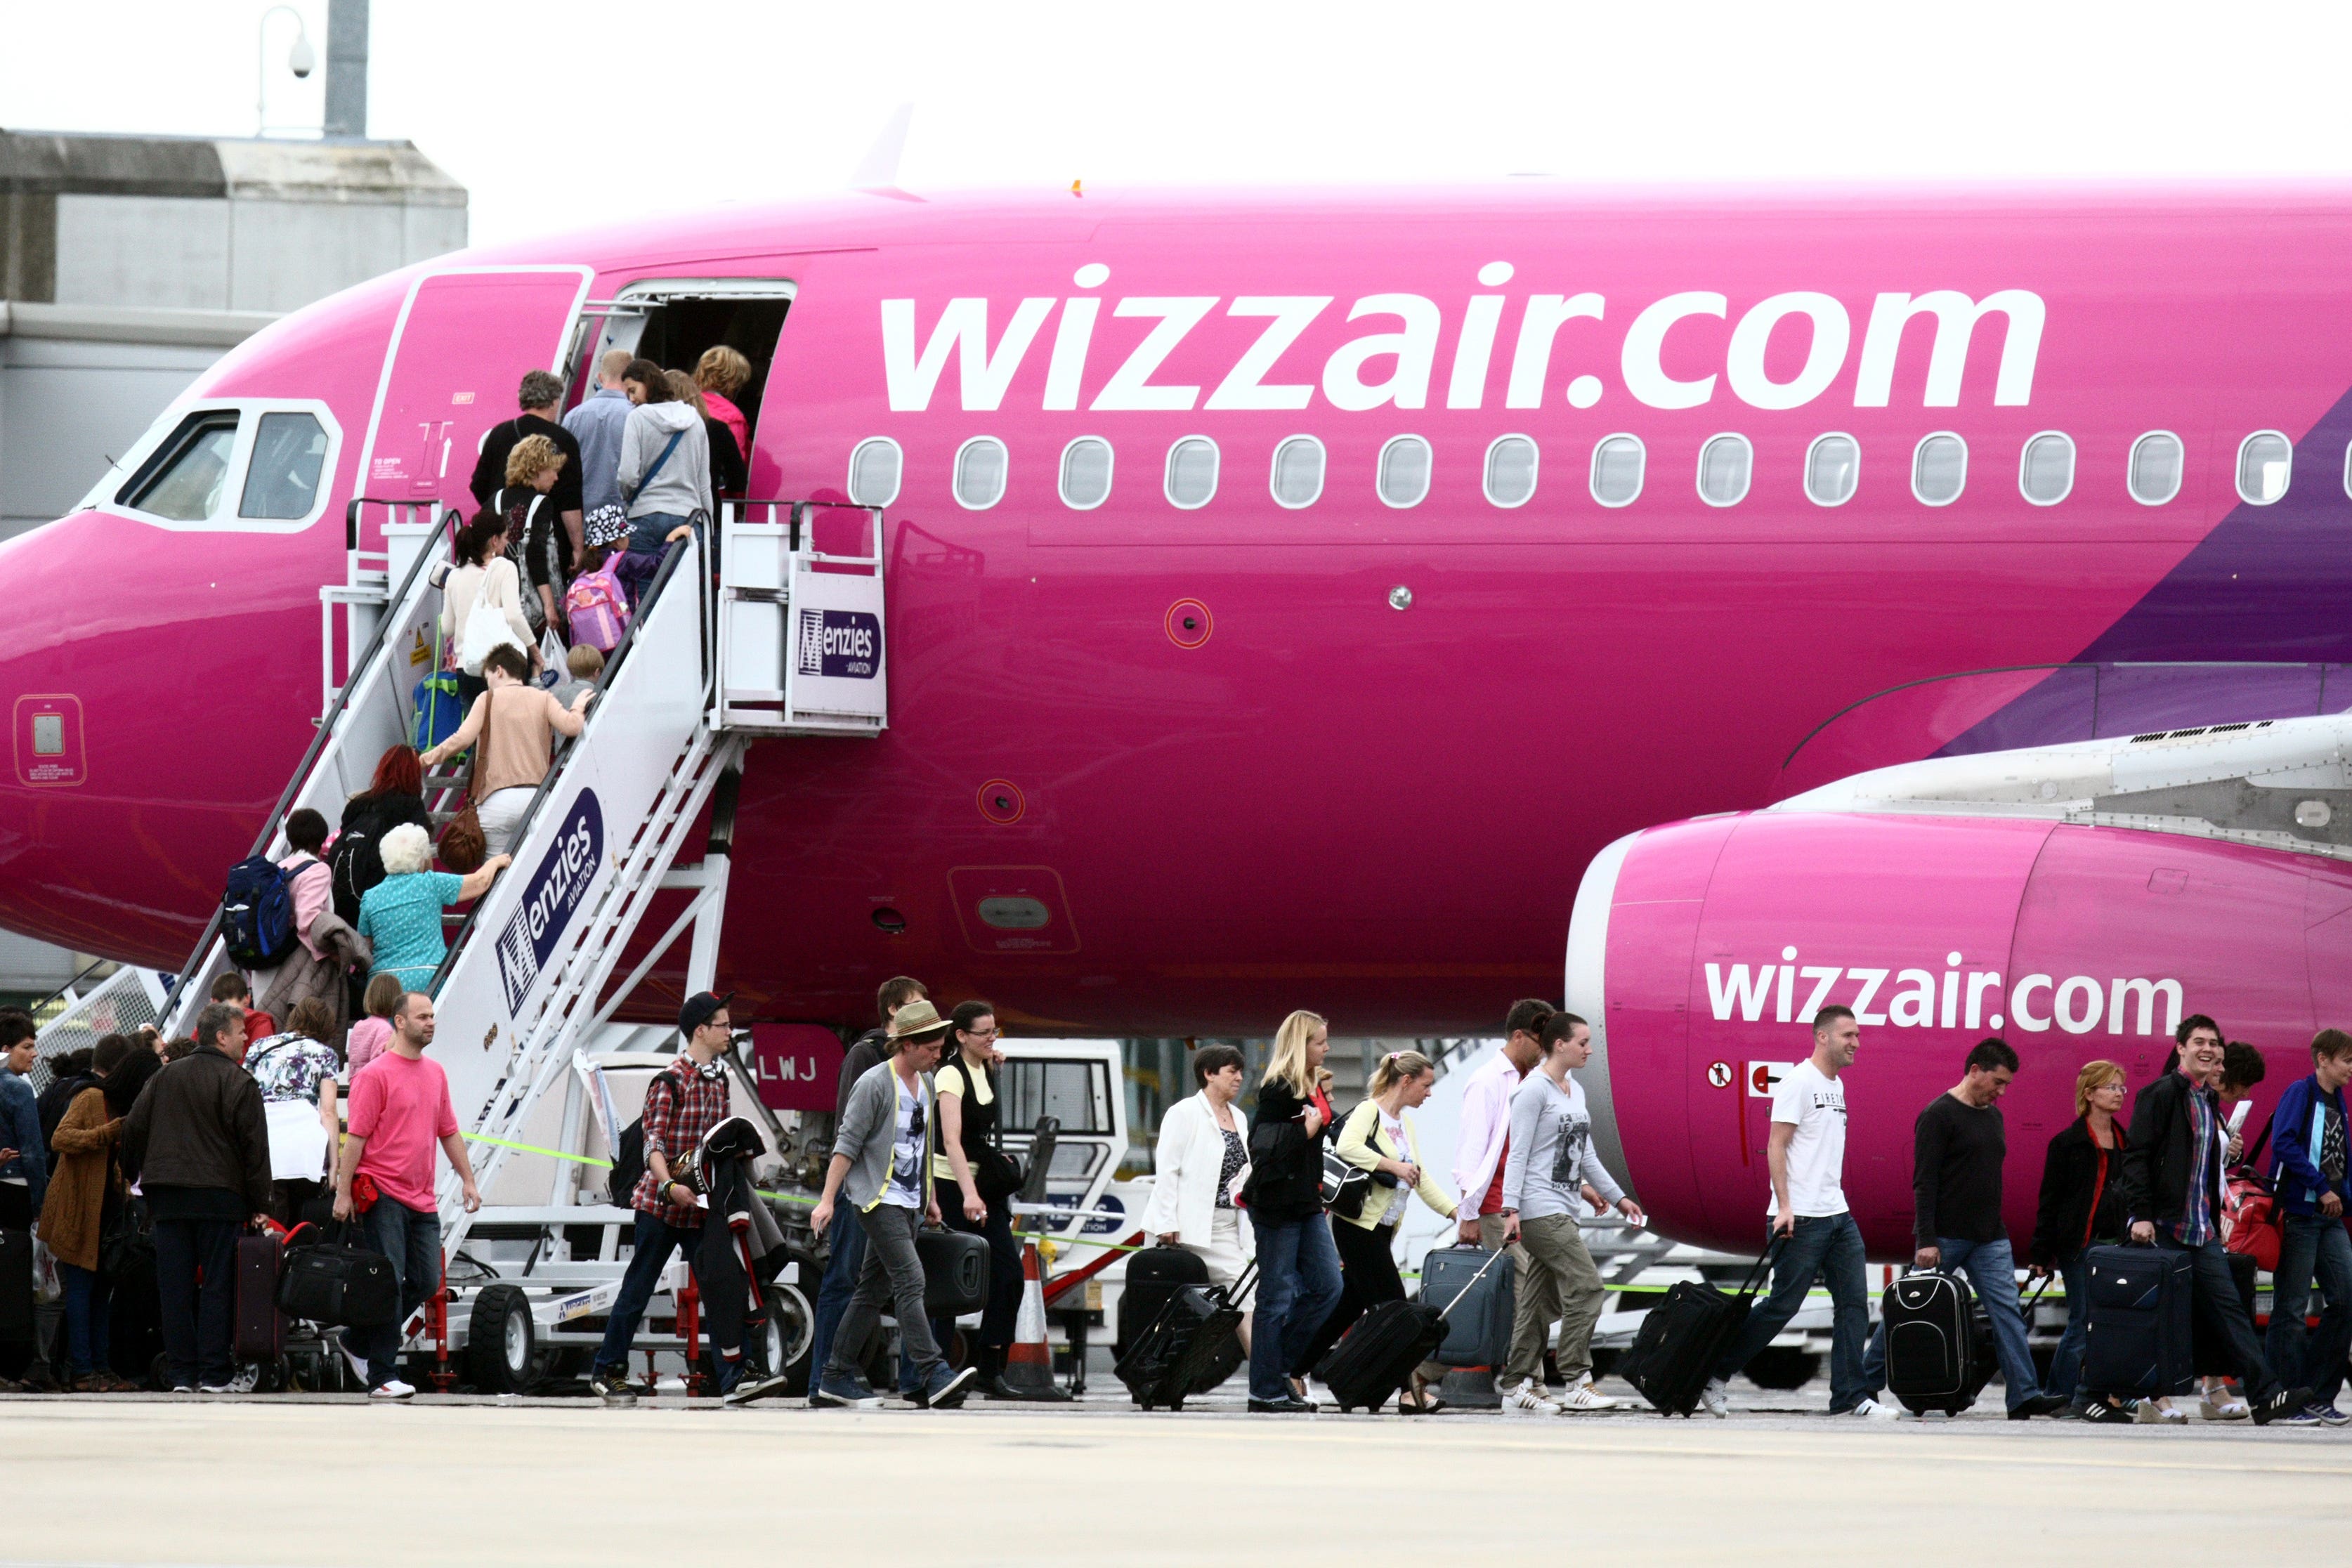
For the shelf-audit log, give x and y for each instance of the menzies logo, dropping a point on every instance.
(840, 644)
(557, 889)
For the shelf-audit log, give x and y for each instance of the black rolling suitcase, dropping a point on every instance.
(1174, 1358)
(1375, 1357)
(1681, 1339)
(955, 1271)
(1151, 1277)
(2141, 1338)
(1939, 1352)
(17, 1286)
(260, 1328)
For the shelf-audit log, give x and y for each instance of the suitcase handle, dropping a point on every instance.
(1472, 1283)
(1756, 1275)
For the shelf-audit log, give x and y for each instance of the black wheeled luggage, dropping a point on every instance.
(1939, 1353)
(1376, 1357)
(336, 1284)
(17, 1286)
(1680, 1340)
(2141, 1339)
(1180, 1353)
(260, 1327)
(955, 1271)
(1150, 1279)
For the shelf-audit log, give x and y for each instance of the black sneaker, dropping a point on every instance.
(832, 1393)
(611, 1388)
(946, 1389)
(2118, 1415)
(755, 1386)
(1284, 1407)
(2039, 1405)
(2282, 1402)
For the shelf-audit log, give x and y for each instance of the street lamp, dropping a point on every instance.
(301, 60)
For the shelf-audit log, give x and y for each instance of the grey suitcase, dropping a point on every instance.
(1477, 1324)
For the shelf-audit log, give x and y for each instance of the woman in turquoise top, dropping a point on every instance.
(402, 914)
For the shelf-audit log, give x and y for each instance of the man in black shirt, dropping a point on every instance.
(539, 398)
(847, 1238)
(1957, 1146)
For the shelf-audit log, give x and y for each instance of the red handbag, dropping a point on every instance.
(2249, 1215)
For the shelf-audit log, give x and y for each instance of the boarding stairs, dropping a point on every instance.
(783, 640)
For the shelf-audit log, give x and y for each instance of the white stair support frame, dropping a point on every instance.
(802, 633)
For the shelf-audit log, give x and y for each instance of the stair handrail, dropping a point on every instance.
(272, 824)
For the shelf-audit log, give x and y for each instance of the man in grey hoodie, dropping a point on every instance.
(665, 473)
(888, 1132)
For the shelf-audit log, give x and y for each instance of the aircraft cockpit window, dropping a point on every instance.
(1617, 464)
(2046, 470)
(182, 480)
(1297, 472)
(1832, 466)
(1939, 469)
(290, 454)
(2265, 463)
(2156, 468)
(1511, 465)
(1404, 471)
(1085, 473)
(874, 469)
(1192, 472)
(1724, 466)
(980, 466)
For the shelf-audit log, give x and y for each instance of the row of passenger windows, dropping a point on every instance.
(1939, 470)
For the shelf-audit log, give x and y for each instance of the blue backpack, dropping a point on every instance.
(440, 710)
(257, 914)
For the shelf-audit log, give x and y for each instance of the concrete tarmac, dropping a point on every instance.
(334, 1481)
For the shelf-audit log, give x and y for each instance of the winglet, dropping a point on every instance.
(879, 170)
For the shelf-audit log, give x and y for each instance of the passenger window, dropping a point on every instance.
(1297, 472)
(1511, 470)
(2156, 468)
(182, 480)
(979, 473)
(1617, 464)
(1832, 466)
(282, 480)
(874, 472)
(1724, 466)
(1192, 472)
(2046, 471)
(1085, 473)
(1404, 471)
(1939, 469)
(2265, 463)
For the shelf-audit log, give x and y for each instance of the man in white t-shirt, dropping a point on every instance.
(1810, 1224)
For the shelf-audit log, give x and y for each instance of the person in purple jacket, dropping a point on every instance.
(2308, 1164)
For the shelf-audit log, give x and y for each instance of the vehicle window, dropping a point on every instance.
(1511, 470)
(1085, 473)
(1192, 472)
(2265, 462)
(2156, 468)
(1404, 471)
(1832, 468)
(1298, 471)
(873, 470)
(282, 480)
(2046, 472)
(1074, 1093)
(1939, 469)
(182, 480)
(1723, 465)
(1617, 464)
(979, 473)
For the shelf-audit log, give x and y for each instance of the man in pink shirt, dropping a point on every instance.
(399, 1110)
(1485, 1145)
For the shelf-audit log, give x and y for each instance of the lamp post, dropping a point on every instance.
(301, 60)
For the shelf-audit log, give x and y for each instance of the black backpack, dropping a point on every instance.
(257, 914)
(354, 865)
(628, 1165)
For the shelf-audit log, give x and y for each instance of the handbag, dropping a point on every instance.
(485, 628)
(996, 1174)
(337, 1284)
(464, 846)
(130, 1246)
(2250, 1211)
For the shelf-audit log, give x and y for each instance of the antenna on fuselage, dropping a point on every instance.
(879, 170)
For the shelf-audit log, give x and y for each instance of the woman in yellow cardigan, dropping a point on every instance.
(1377, 1138)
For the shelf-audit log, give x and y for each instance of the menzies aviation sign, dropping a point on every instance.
(557, 891)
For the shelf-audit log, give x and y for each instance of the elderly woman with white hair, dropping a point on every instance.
(402, 914)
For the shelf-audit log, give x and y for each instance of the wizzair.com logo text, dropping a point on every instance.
(1952, 998)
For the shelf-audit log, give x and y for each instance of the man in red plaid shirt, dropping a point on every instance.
(683, 1103)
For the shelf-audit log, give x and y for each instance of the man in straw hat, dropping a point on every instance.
(880, 1153)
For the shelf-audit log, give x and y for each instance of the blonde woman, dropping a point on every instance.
(727, 474)
(2081, 1208)
(1377, 1138)
(1199, 1168)
(722, 373)
(1299, 1266)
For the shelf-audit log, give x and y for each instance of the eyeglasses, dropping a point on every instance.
(988, 1033)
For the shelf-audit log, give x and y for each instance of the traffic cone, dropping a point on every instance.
(1029, 1363)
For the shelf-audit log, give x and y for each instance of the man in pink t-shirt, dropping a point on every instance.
(399, 1110)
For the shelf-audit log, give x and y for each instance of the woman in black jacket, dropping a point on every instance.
(1298, 1268)
(2081, 1207)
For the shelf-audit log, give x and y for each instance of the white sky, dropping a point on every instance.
(719, 100)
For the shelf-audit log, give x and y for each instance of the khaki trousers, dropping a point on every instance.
(1556, 1279)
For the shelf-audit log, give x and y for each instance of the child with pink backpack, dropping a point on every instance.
(594, 605)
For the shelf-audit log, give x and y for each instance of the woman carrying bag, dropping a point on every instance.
(481, 604)
(1298, 1268)
(1199, 1169)
(516, 722)
(974, 1180)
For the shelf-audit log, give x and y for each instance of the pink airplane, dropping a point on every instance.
(1292, 593)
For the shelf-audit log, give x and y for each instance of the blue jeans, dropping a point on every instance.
(2312, 1244)
(1298, 1284)
(1830, 1247)
(2066, 1365)
(1992, 1269)
(648, 541)
(88, 1299)
(650, 1251)
(412, 1239)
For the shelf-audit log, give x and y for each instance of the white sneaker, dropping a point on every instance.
(2229, 1408)
(1872, 1410)
(1582, 1396)
(1715, 1399)
(2157, 1413)
(395, 1389)
(352, 1358)
(1528, 1398)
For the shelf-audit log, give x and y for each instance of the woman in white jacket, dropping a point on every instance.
(1201, 1162)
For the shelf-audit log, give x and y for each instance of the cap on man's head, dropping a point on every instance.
(700, 1009)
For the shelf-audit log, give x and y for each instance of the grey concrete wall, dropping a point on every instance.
(68, 408)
